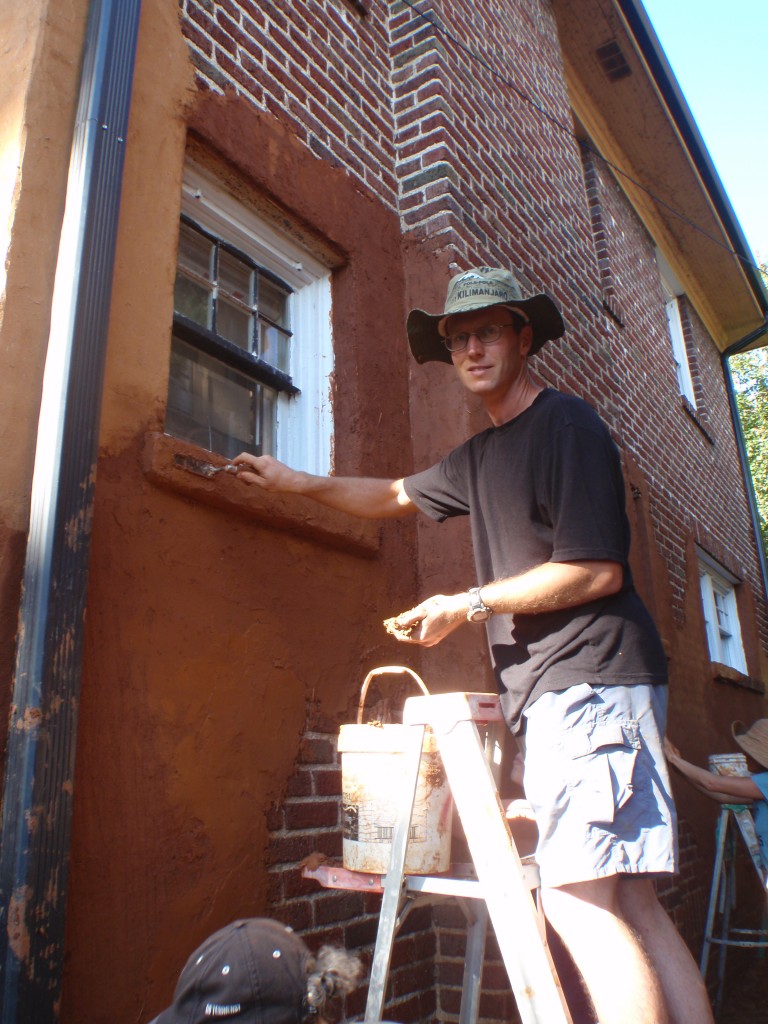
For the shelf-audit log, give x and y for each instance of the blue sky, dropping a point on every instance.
(717, 51)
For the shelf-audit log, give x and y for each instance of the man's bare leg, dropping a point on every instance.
(684, 990)
(620, 977)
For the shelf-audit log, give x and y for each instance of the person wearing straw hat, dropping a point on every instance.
(580, 667)
(257, 971)
(752, 789)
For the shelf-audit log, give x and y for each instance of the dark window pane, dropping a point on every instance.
(273, 302)
(215, 407)
(235, 278)
(195, 252)
(274, 346)
(192, 300)
(233, 323)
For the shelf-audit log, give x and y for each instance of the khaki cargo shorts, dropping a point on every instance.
(597, 781)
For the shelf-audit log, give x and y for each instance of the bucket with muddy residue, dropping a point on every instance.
(373, 770)
(728, 764)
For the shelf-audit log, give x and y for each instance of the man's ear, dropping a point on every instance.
(526, 339)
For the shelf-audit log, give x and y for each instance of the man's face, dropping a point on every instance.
(489, 371)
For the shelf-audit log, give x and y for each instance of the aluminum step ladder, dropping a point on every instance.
(734, 822)
(499, 885)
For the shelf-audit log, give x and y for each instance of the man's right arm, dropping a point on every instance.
(365, 497)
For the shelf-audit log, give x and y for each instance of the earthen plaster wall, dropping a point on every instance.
(209, 629)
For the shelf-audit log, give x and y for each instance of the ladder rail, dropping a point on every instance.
(394, 881)
(503, 881)
(477, 930)
(718, 932)
(512, 911)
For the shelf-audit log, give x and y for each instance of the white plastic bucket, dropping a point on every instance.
(728, 764)
(373, 773)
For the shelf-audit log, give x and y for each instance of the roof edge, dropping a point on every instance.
(639, 26)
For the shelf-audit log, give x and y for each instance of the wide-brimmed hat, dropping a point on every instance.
(754, 740)
(476, 289)
(253, 971)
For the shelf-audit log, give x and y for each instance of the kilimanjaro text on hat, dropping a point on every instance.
(466, 293)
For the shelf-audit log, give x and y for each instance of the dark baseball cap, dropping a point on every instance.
(476, 289)
(253, 971)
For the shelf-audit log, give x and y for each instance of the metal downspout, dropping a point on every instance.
(732, 350)
(39, 777)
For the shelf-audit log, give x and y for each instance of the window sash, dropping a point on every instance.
(212, 286)
(225, 398)
(233, 355)
(216, 407)
(679, 351)
(721, 620)
(303, 419)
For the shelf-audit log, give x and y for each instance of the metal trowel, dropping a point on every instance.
(202, 468)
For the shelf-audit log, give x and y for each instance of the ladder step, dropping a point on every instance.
(458, 883)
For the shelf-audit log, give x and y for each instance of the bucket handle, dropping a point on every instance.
(386, 670)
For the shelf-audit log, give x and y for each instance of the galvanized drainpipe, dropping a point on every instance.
(732, 350)
(39, 776)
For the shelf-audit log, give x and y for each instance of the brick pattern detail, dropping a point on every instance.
(469, 146)
(599, 233)
(496, 1002)
(320, 66)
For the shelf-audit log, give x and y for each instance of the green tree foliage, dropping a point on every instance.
(750, 378)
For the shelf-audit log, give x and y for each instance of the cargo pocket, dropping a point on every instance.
(602, 765)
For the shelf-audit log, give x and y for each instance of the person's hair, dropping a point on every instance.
(333, 972)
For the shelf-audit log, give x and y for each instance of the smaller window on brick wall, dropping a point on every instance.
(672, 293)
(679, 351)
(721, 616)
(251, 352)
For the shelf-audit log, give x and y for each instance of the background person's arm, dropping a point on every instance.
(365, 497)
(723, 788)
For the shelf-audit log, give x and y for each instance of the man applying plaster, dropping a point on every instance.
(578, 661)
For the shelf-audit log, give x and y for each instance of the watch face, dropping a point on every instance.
(479, 615)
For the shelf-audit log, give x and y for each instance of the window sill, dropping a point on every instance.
(732, 677)
(692, 412)
(292, 514)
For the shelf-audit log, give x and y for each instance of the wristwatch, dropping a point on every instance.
(478, 610)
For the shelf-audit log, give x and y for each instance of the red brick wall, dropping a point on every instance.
(321, 68)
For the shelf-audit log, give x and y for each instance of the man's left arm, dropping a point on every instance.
(545, 588)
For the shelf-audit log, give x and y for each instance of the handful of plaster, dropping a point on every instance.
(398, 632)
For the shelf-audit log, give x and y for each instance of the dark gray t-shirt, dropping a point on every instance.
(547, 487)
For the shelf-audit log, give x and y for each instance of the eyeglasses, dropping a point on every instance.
(487, 335)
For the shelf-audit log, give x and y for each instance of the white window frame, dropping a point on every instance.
(304, 428)
(679, 351)
(721, 615)
(672, 292)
